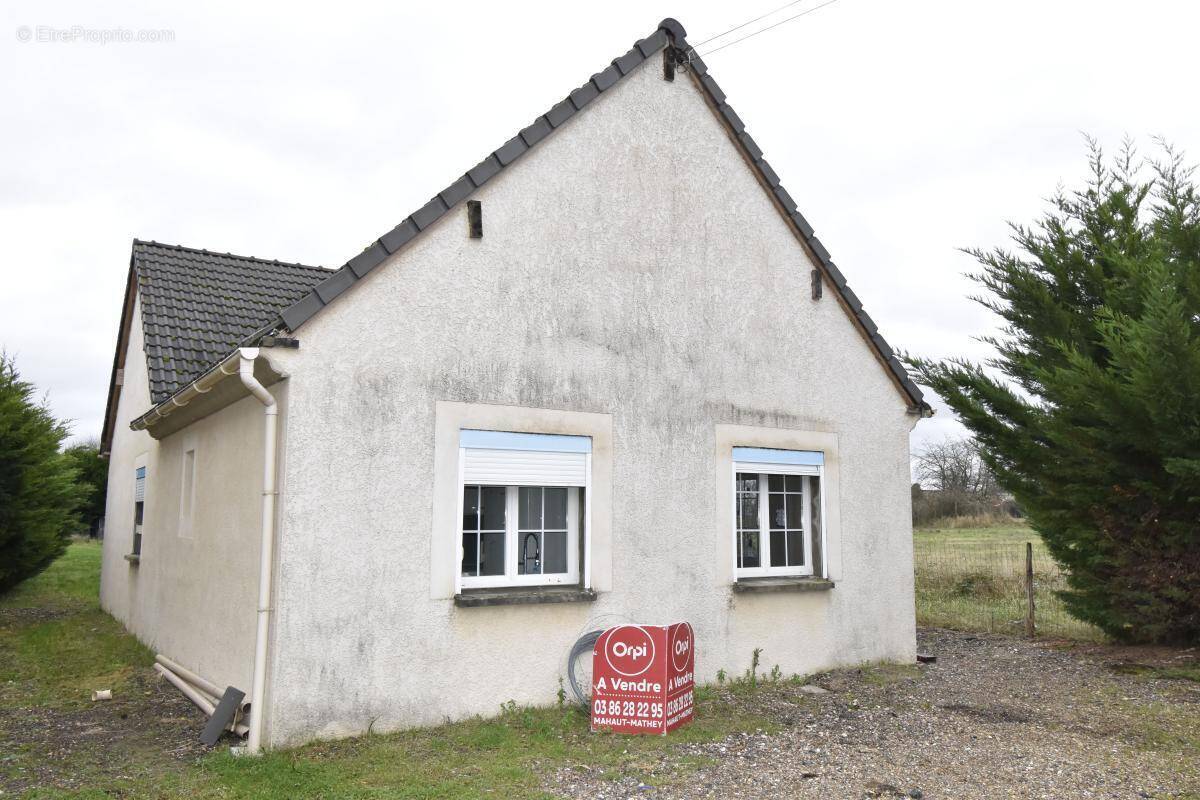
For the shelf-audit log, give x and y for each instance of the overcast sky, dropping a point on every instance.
(904, 130)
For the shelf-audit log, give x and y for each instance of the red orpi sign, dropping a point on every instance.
(642, 678)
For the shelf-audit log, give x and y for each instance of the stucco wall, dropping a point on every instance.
(194, 593)
(631, 265)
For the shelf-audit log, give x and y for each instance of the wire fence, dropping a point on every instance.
(969, 581)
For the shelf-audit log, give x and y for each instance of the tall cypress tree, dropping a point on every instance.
(1090, 411)
(39, 494)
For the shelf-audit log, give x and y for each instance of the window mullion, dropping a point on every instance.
(542, 536)
(764, 523)
(478, 529)
(510, 532)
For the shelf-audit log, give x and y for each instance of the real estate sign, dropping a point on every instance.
(642, 678)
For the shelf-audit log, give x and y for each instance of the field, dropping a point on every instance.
(974, 579)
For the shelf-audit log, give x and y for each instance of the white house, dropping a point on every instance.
(607, 375)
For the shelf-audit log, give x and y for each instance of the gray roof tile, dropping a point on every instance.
(457, 191)
(606, 78)
(561, 112)
(368, 259)
(536, 132)
(652, 43)
(429, 213)
(484, 170)
(397, 237)
(510, 150)
(197, 306)
(584, 95)
(627, 62)
(335, 284)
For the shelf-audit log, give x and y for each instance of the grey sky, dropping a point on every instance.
(904, 130)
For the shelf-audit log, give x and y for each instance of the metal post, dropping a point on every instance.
(1029, 624)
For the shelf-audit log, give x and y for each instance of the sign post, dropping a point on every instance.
(643, 678)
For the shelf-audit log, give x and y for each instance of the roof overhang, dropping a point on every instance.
(117, 378)
(214, 390)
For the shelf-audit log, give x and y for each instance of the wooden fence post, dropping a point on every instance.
(1029, 624)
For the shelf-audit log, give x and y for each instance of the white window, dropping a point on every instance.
(778, 512)
(523, 508)
(139, 508)
(187, 492)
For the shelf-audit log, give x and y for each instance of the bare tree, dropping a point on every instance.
(954, 465)
(958, 480)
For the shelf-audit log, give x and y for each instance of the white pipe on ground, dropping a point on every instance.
(207, 688)
(189, 691)
(189, 676)
(266, 545)
(201, 700)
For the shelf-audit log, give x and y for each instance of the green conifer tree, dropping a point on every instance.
(38, 489)
(1090, 412)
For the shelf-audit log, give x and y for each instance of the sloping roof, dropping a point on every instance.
(671, 37)
(197, 306)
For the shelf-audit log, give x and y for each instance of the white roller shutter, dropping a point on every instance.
(139, 485)
(523, 468)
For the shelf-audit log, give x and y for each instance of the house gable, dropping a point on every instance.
(677, 56)
(632, 269)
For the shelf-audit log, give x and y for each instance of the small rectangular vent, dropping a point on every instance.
(817, 284)
(475, 219)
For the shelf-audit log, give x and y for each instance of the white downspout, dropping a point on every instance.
(266, 547)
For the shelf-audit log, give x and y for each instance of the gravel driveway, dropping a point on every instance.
(995, 717)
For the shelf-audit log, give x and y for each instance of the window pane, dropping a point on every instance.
(554, 558)
(529, 557)
(775, 510)
(492, 518)
(470, 543)
(795, 545)
(747, 482)
(556, 509)
(137, 512)
(795, 483)
(795, 512)
(748, 511)
(492, 560)
(530, 508)
(775, 483)
(748, 554)
(779, 554)
(470, 508)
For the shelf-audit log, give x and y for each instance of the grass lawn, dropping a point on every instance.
(974, 579)
(56, 645)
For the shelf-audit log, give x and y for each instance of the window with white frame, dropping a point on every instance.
(524, 500)
(139, 508)
(778, 512)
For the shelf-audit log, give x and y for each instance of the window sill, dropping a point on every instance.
(522, 596)
(801, 583)
(134, 559)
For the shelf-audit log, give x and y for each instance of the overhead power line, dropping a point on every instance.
(769, 27)
(748, 22)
